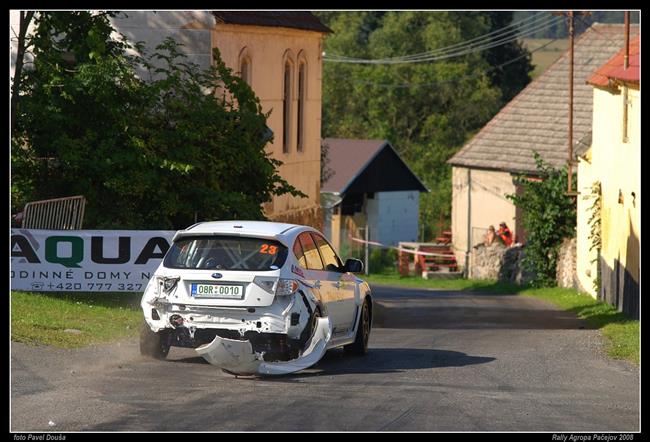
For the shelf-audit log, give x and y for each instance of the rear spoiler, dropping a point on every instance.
(181, 234)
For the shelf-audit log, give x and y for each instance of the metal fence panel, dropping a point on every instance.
(55, 214)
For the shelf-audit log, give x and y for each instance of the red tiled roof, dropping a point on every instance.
(613, 69)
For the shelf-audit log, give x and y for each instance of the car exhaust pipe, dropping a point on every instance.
(176, 320)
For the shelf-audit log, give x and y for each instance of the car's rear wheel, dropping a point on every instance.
(314, 321)
(309, 329)
(154, 344)
(360, 345)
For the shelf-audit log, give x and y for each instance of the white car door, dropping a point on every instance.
(344, 283)
(325, 282)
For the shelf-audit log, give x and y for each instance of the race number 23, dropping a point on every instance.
(268, 249)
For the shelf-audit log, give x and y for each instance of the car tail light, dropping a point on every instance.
(266, 283)
(168, 284)
(286, 287)
(280, 287)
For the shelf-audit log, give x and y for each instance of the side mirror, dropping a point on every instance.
(353, 266)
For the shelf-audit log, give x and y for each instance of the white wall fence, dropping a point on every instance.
(86, 260)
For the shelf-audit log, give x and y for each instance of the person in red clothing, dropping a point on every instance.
(505, 234)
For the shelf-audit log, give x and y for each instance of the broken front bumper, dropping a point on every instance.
(238, 356)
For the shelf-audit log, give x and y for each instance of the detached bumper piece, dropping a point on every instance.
(238, 356)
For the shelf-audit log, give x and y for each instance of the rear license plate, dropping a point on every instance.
(222, 291)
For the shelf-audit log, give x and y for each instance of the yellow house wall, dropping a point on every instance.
(489, 206)
(268, 48)
(617, 165)
(585, 265)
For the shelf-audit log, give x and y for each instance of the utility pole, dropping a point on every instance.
(570, 161)
(626, 64)
(570, 165)
(626, 59)
(367, 266)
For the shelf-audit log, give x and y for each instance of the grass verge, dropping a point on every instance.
(93, 317)
(394, 279)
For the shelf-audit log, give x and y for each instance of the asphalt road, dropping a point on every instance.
(439, 361)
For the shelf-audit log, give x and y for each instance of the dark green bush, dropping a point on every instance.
(382, 260)
(549, 216)
(154, 153)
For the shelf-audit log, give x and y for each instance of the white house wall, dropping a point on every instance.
(393, 216)
(14, 28)
(190, 28)
(585, 262)
(489, 206)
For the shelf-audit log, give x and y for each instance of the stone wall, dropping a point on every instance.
(499, 262)
(565, 270)
(504, 263)
(486, 261)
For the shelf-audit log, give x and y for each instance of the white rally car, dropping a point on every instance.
(255, 297)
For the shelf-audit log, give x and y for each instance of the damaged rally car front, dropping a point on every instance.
(255, 298)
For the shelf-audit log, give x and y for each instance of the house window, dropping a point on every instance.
(286, 109)
(246, 70)
(300, 134)
(246, 66)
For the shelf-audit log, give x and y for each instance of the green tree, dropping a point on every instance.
(49, 105)
(549, 216)
(515, 75)
(326, 171)
(145, 154)
(427, 110)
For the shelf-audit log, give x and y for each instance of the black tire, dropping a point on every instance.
(314, 321)
(360, 345)
(309, 329)
(154, 344)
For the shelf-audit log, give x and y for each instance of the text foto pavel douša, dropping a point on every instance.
(39, 437)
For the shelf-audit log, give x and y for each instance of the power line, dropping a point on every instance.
(464, 51)
(446, 54)
(439, 83)
(461, 45)
(455, 46)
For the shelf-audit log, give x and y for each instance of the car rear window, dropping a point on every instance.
(225, 253)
